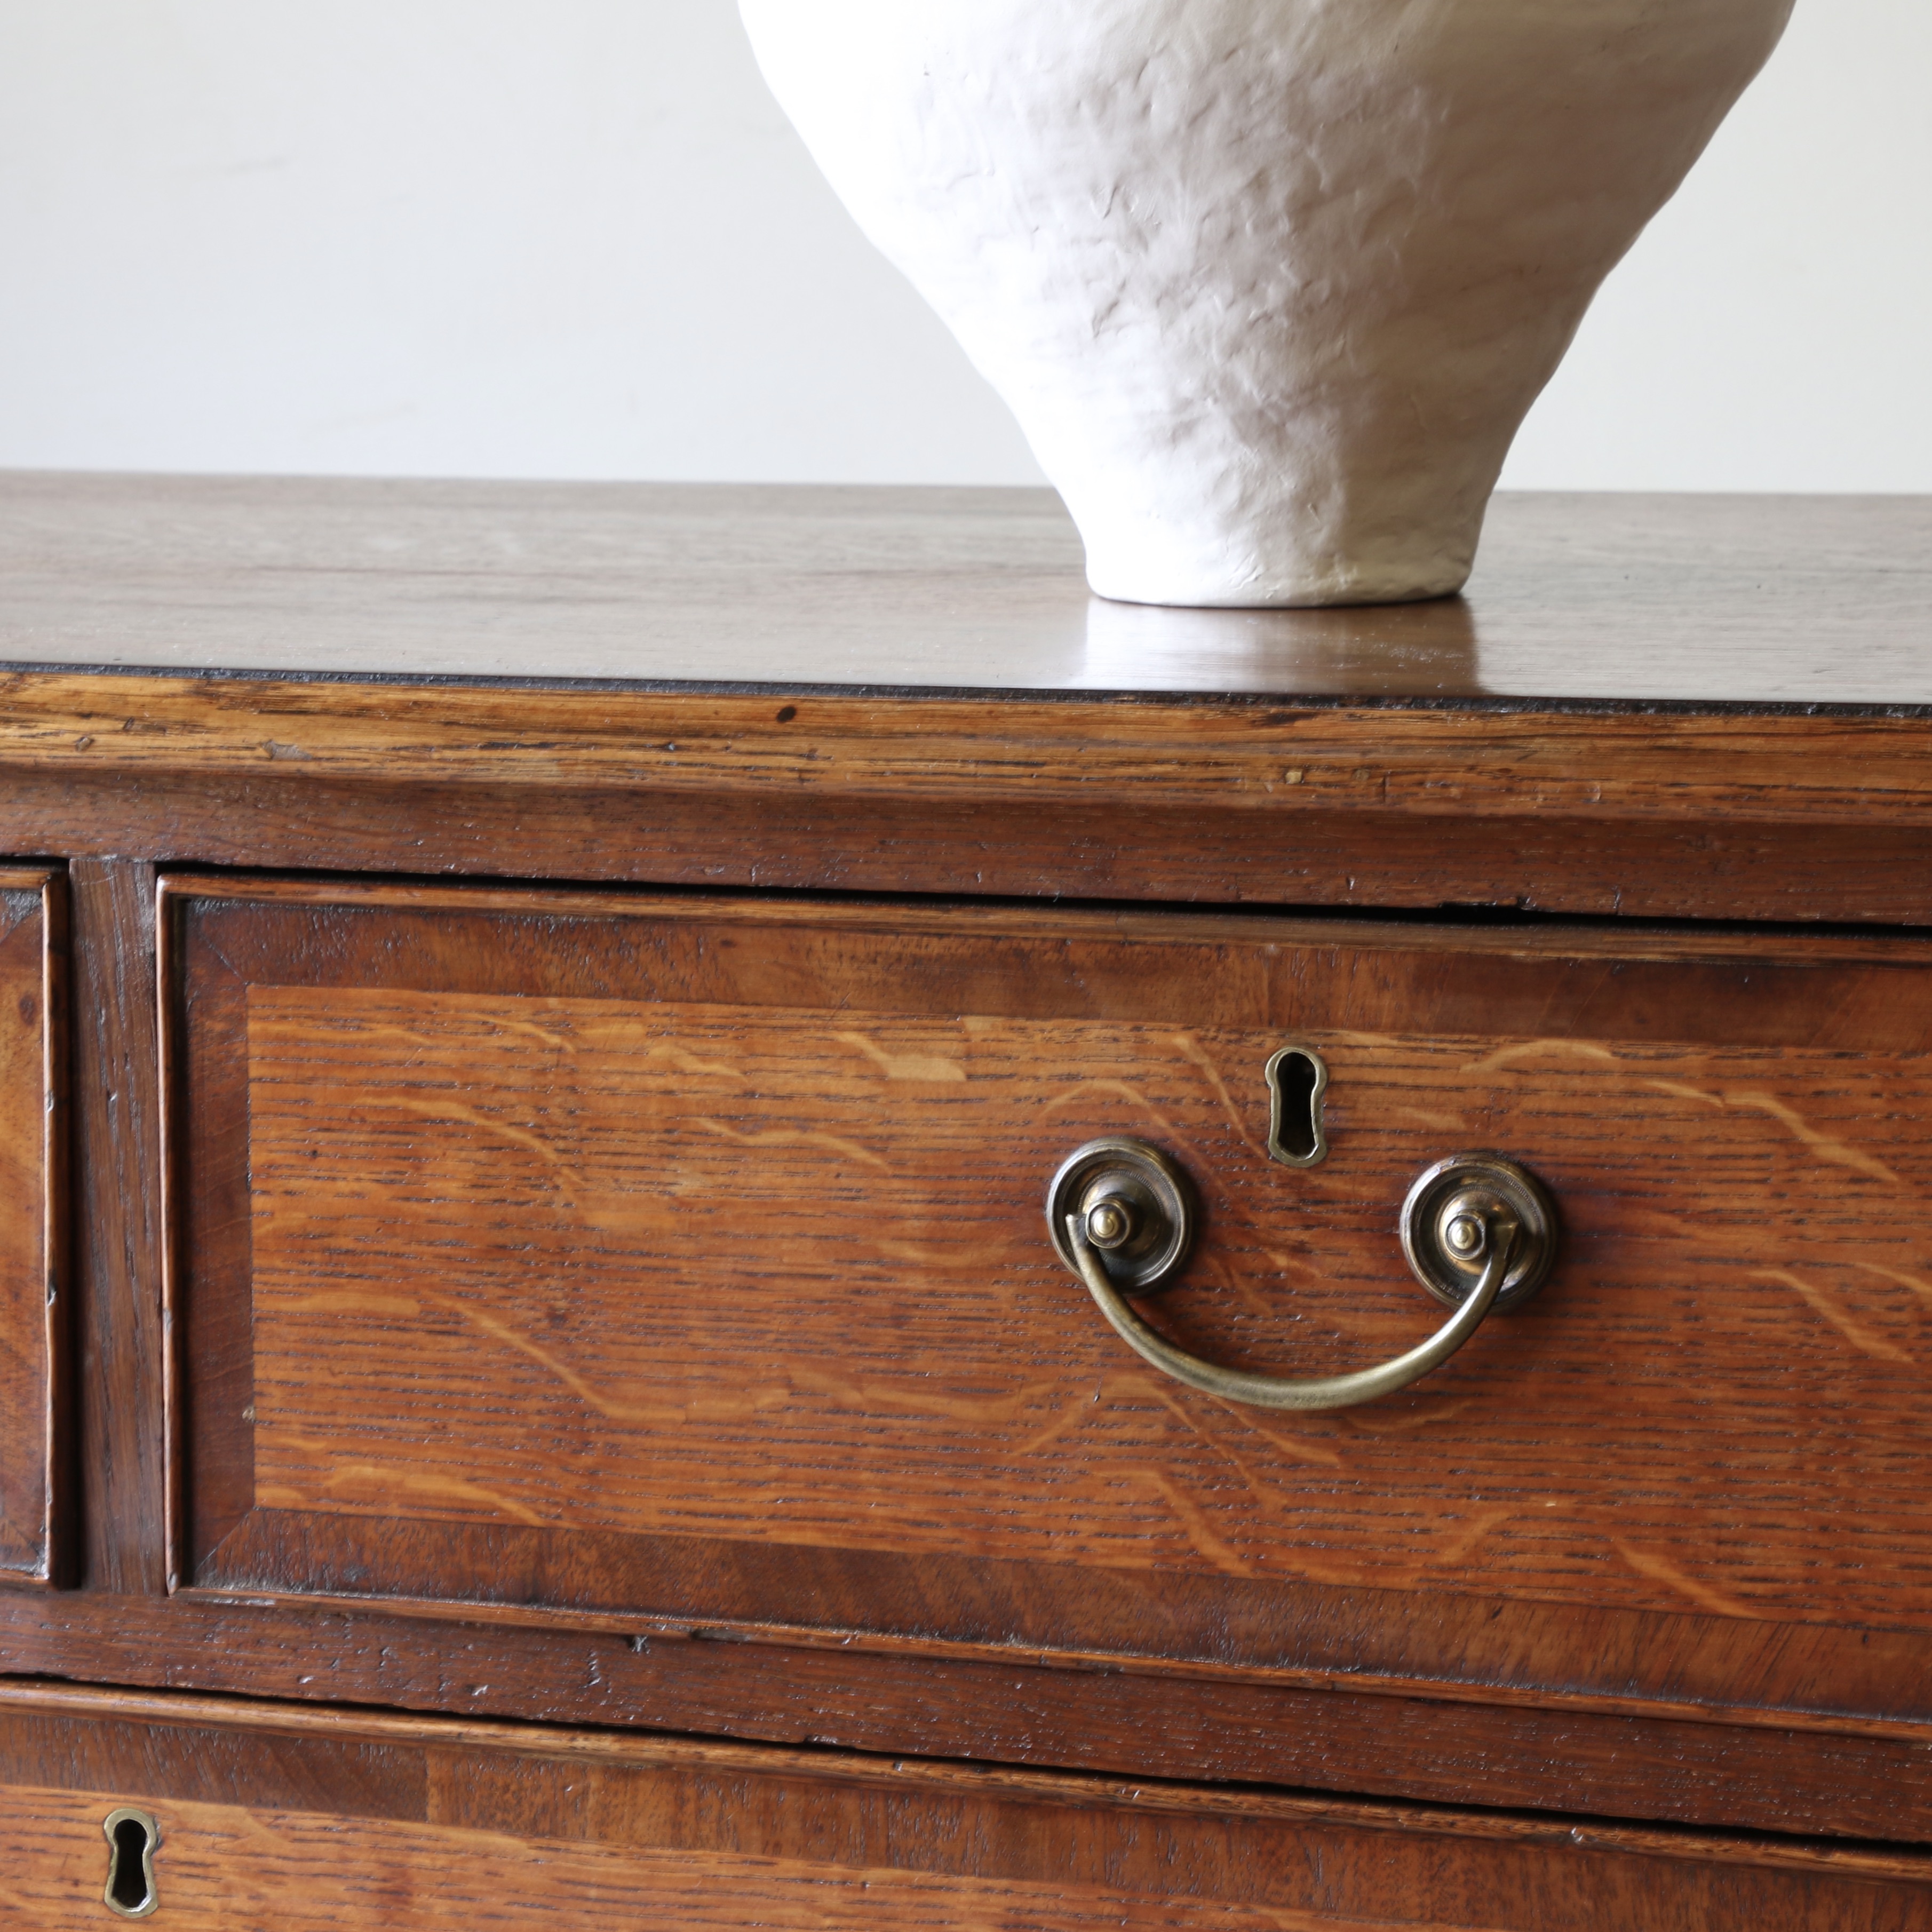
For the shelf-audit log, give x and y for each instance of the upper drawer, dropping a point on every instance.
(685, 1259)
(33, 1138)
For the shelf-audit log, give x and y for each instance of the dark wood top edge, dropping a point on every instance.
(1497, 706)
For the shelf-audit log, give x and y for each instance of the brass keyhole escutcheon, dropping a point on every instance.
(132, 1838)
(1298, 1078)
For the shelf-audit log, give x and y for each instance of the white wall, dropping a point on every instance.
(574, 238)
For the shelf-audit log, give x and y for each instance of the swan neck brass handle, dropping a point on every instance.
(1279, 1391)
(1479, 1232)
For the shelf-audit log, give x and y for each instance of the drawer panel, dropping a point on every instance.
(270, 1816)
(34, 1309)
(684, 1260)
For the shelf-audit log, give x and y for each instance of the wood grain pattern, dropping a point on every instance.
(1645, 597)
(1416, 785)
(1743, 808)
(684, 1260)
(382, 1821)
(1455, 756)
(1350, 1711)
(1285, 761)
(259, 812)
(35, 1297)
(123, 1465)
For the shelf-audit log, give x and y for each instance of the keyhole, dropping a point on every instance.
(1297, 1077)
(132, 1838)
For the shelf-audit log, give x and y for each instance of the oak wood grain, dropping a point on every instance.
(1286, 761)
(36, 1297)
(683, 1260)
(1793, 599)
(380, 1820)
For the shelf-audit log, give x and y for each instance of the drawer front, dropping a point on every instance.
(231, 1815)
(33, 1307)
(684, 1261)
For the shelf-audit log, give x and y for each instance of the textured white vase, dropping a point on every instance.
(1271, 284)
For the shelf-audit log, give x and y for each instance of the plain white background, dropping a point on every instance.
(575, 238)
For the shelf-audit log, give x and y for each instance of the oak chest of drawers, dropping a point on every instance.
(541, 1378)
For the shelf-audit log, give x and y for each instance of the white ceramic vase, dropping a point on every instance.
(1271, 284)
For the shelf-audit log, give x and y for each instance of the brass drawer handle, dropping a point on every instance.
(1479, 1231)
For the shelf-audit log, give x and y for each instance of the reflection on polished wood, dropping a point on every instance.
(1647, 599)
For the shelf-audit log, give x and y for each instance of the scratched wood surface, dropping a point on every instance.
(1355, 1708)
(1819, 820)
(575, 1255)
(331, 1821)
(34, 1303)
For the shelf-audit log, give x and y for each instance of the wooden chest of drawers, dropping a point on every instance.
(539, 1377)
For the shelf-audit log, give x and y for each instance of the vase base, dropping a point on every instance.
(1335, 585)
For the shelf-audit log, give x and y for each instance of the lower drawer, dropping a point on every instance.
(256, 1815)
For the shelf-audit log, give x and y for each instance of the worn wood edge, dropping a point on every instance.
(1415, 1688)
(1286, 756)
(172, 993)
(48, 887)
(118, 1467)
(1332, 1741)
(360, 1724)
(58, 1213)
(1528, 937)
(1875, 876)
(170, 1088)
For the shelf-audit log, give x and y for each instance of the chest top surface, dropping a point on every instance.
(1764, 602)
